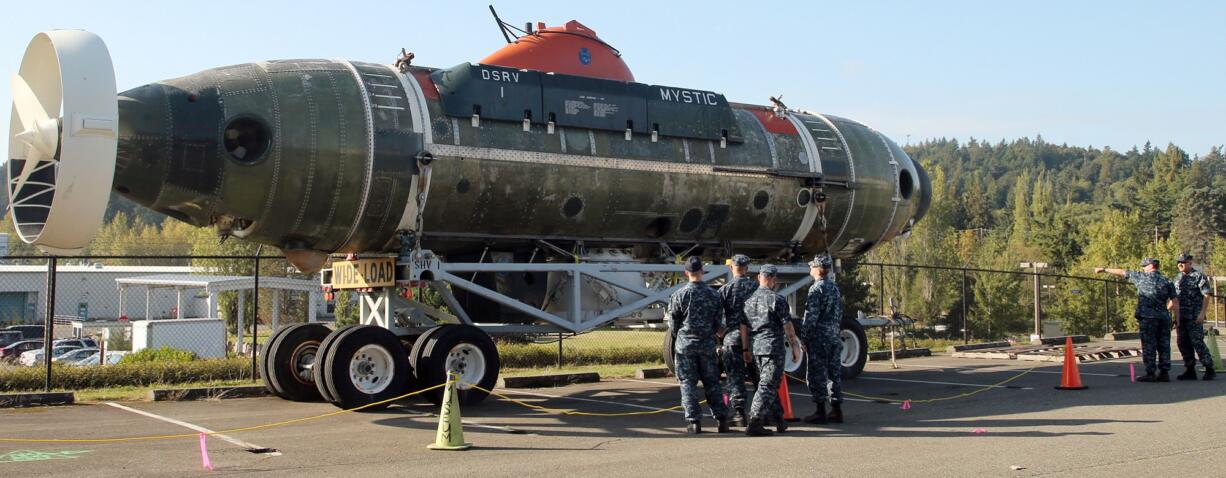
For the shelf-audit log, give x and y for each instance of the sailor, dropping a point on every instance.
(1155, 297)
(694, 313)
(1193, 288)
(762, 335)
(734, 294)
(820, 328)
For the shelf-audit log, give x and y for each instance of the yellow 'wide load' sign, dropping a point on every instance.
(364, 273)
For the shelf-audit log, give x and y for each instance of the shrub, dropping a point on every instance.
(125, 374)
(162, 354)
(536, 355)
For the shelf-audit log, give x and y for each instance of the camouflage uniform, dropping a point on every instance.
(694, 314)
(1192, 289)
(735, 294)
(820, 330)
(1153, 291)
(766, 313)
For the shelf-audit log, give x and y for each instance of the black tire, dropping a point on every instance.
(263, 362)
(376, 347)
(297, 346)
(669, 351)
(853, 329)
(321, 362)
(431, 354)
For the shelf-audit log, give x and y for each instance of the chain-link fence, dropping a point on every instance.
(213, 311)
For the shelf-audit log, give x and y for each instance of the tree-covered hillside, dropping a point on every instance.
(996, 205)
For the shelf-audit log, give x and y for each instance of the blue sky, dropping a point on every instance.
(1101, 73)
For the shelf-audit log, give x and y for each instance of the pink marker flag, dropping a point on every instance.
(726, 402)
(1132, 372)
(979, 431)
(204, 453)
(906, 405)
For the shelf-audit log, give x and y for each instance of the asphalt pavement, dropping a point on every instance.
(1021, 428)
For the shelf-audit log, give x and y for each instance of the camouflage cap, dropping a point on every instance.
(1148, 261)
(740, 260)
(1184, 258)
(821, 260)
(769, 270)
(693, 264)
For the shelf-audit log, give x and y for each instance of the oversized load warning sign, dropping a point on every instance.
(364, 273)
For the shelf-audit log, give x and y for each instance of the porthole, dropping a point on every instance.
(246, 139)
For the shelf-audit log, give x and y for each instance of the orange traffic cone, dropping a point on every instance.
(785, 399)
(1071, 379)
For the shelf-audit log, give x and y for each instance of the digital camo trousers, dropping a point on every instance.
(766, 397)
(738, 371)
(1191, 340)
(1156, 344)
(825, 365)
(692, 368)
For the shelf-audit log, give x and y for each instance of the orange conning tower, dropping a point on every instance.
(573, 49)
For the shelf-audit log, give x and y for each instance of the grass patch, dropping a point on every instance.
(126, 374)
(601, 347)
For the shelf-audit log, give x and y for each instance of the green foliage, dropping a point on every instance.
(162, 354)
(346, 308)
(126, 374)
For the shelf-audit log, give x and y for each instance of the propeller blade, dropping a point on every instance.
(29, 110)
(32, 160)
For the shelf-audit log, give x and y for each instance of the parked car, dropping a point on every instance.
(8, 337)
(30, 332)
(75, 355)
(34, 357)
(112, 358)
(82, 343)
(14, 350)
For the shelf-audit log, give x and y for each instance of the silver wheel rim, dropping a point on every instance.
(371, 369)
(790, 365)
(851, 347)
(467, 361)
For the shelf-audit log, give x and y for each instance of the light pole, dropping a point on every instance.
(1037, 336)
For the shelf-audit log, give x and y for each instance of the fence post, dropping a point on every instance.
(49, 321)
(965, 338)
(559, 349)
(1107, 309)
(255, 313)
(881, 291)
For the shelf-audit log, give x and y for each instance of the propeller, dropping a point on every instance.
(41, 132)
(62, 140)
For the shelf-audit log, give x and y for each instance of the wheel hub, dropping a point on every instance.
(467, 361)
(303, 362)
(851, 347)
(371, 369)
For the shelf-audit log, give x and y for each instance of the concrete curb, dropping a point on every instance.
(208, 393)
(646, 373)
(18, 400)
(1123, 336)
(548, 380)
(884, 355)
(985, 345)
(1077, 339)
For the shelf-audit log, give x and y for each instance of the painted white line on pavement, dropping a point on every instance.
(227, 438)
(959, 384)
(791, 393)
(472, 424)
(1005, 370)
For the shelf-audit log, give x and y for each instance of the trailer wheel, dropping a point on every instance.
(669, 353)
(366, 365)
(462, 349)
(855, 348)
(263, 362)
(291, 358)
(321, 363)
(796, 368)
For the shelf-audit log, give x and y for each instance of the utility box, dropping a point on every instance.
(204, 337)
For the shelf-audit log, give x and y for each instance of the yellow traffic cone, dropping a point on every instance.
(1211, 341)
(450, 430)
